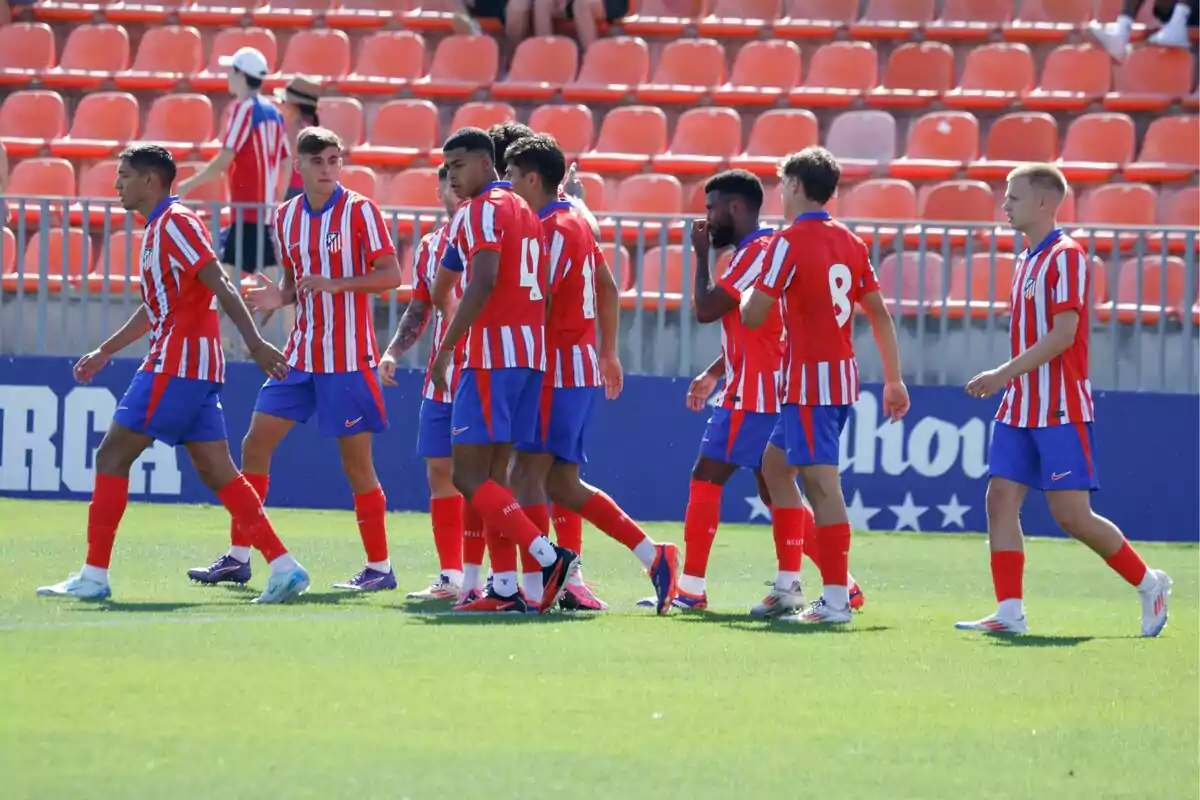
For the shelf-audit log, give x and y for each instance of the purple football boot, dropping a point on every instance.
(370, 580)
(225, 569)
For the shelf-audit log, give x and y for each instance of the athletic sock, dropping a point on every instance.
(239, 540)
(371, 510)
(245, 506)
(446, 517)
(1128, 564)
(700, 523)
(568, 528)
(110, 495)
(1008, 574)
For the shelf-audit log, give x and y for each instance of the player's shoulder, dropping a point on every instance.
(288, 208)
(360, 201)
(1069, 245)
(180, 214)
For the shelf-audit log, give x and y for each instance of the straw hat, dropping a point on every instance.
(301, 91)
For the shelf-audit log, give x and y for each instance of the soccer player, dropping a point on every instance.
(820, 270)
(497, 239)
(175, 397)
(336, 253)
(582, 290)
(1043, 433)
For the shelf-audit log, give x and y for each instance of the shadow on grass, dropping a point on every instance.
(328, 598)
(444, 616)
(740, 621)
(147, 607)
(1032, 640)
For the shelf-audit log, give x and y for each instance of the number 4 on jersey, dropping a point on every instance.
(531, 252)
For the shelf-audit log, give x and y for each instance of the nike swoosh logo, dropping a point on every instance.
(457, 431)
(1058, 476)
(350, 423)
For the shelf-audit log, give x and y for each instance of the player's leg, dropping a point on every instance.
(527, 476)
(445, 504)
(712, 470)
(474, 549)
(787, 527)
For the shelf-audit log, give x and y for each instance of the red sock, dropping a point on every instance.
(371, 510)
(539, 515)
(260, 484)
(1008, 571)
(812, 547)
(601, 511)
(834, 543)
(788, 526)
(446, 515)
(1128, 564)
(501, 551)
(568, 528)
(700, 523)
(245, 506)
(474, 545)
(109, 498)
(500, 512)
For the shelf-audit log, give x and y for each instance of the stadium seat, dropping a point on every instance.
(739, 18)
(413, 188)
(182, 123)
(1182, 208)
(97, 183)
(772, 207)
(838, 74)
(817, 19)
(705, 138)
(617, 258)
(1014, 139)
(1147, 289)
(165, 57)
(26, 51)
(343, 116)
(541, 67)
(917, 73)
(1073, 77)
(66, 10)
(695, 201)
(595, 190)
(119, 253)
(365, 13)
(762, 73)
(403, 131)
(29, 120)
(1170, 151)
(387, 61)
(892, 19)
(1097, 146)
(970, 19)
(775, 134)
(629, 136)
(212, 198)
(139, 12)
(571, 125)
(687, 70)
(64, 261)
(994, 76)
(439, 15)
(1151, 79)
(291, 13)
(36, 178)
(662, 17)
(612, 69)
(360, 179)
(641, 195)
(1120, 205)
(911, 282)
(963, 201)
(873, 201)
(862, 141)
(482, 115)
(320, 53)
(92, 54)
(228, 41)
(103, 122)
(8, 253)
(461, 66)
(1048, 20)
(216, 13)
(658, 282)
(939, 145)
(981, 291)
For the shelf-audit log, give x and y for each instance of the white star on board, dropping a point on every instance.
(908, 514)
(953, 513)
(758, 508)
(860, 514)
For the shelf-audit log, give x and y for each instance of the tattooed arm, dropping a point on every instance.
(412, 325)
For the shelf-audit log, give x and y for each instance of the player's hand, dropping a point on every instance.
(700, 390)
(986, 384)
(895, 400)
(269, 359)
(317, 283)
(439, 368)
(387, 370)
(265, 296)
(87, 367)
(572, 187)
(613, 376)
(700, 240)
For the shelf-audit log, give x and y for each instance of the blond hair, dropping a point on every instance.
(1042, 176)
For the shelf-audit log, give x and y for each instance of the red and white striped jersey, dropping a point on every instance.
(258, 139)
(753, 358)
(571, 323)
(185, 331)
(1047, 280)
(333, 332)
(819, 268)
(510, 331)
(425, 267)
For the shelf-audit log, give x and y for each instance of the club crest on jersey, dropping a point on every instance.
(1030, 287)
(333, 242)
(147, 254)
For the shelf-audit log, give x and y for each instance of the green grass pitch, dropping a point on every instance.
(178, 691)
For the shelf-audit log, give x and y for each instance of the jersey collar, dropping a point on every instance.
(161, 207)
(758, 234)
(330, 203)
(812, 215)
(1050, 239)
(552, 206)
(497, 185)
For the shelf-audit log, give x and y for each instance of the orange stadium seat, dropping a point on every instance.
(439, 15)
(994, 76)
(917, 73)
(182, 123)
(629, 137)
(1048, 20)
(662, 17)
(739, 17)
(41, 178)
(1151, 79)
(343, 116)
(165, 57)
(8, 253)
(482, 115)
(98, 183)
(387, 61)
(1170, 150)
(365, 13)
(594, 190)
(570, 124)
(1097, 146)
(92, 54)
(640, 195)
(862, 141)
(884, 199)
(892, 19)
(321, 53)
(291, 13)
(1117, 204)
(403, 131)
(26, 51)
(29, 120)
(138, 12)
(818, 19)
(1073, 77)
(694, 199)
(687, 70)
(214, 77)
(413, 188)
(1146, 290)
(212, 197)
(541, 67)
(985, 292)
(970, 19)
(121, 251)
(216, 13)
(838, 74)
(910, 282)
(775, 134)
(67, 10)
(659, 280)
(762, 73)
(1014, 139)
(103, 122)
(64, 256)
(939, 145)
(617, 258)
(360, 179)
(461, 66)
(612, 69)
(964, 201)
(1182, 208)
(705, 138)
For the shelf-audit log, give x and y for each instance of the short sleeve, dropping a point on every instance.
(240, 125)
(742, 272)
(451, 259)
(421, 288)
(281, 239)
(189, 244)
(375, 239)
(1066, 282)
(868, 281)
(778, 267)
(482, 226)
(558, 261)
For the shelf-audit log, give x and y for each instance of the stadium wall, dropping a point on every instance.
(925, 474)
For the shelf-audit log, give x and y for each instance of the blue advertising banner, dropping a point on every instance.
(926, 474)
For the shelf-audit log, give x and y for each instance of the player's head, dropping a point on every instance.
(1034, 194)
(248, 69)
(733, 200)
(319, 159)
(503, 135)
(810, 179)
(536, 167)
(470, 158)
(445, 194)
(145, 174)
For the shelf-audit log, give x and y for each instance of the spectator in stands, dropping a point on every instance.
(544, 12)
(1176, 17)
(299, 100)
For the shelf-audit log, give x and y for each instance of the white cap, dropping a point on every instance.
(248, 61)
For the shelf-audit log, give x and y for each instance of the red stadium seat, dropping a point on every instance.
(939, 145)
(387, 61)
(1146, 290)
(292, 13)
(404, 130)
(1048, 20)
(643, 195)
(1097, 146)
(659, 280)
(629, 137)
(37, 178)
(1151, 79)
(776, 133)
(211, 197)
(97, 184)
(962, 201)
(321, 53)
(892, 19)
(440, 15)
(1170, 151)
(916, 74)
(461, 66)
(612, 69)
(594, 190)
(687, 70)
(1119, 205)
(984, 292)
(67, 10)
(119, 254)
(541, 66)
(26, 51)
(617, 258)
(482, 115)
(182, 123)
(570, 125)
(912, 282)
(739, 18)
(819, 19)
(29, 120)
(871, 202)
(1014, 139)
(863, 142)
(365, 13)
(1182, 209)
(970, 19)
(216, 13)
(343, 116)
(838, 74)
(214, 77)
(360, 179)
(165, 57)
(762, 73)
(705, 138)
(994, 76)
(413, 188)
(92, 54)
(103, 123)
(662, 17)
(64, 261)
(1074, 76)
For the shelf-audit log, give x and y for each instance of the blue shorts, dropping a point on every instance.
(810, 434)
(562, 423)
(737, 437)
(496, 406)
(172, 410)
(433, 429)
(1052, 459)
(346, 403)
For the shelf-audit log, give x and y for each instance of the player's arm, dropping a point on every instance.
(710, 301)
(134, 328)
(209, 172)
(573, 189)
(263, 352)
(608, 307)
(485, 267)
(777, 274)
(1064, 325)
(369, 235)
(884, 331)
(442, 293)
(756, 307)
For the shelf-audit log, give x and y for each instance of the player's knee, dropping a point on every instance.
(115, 456)
(441, 483)
(1003, 502)
(710, 471)
(1071, 510)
